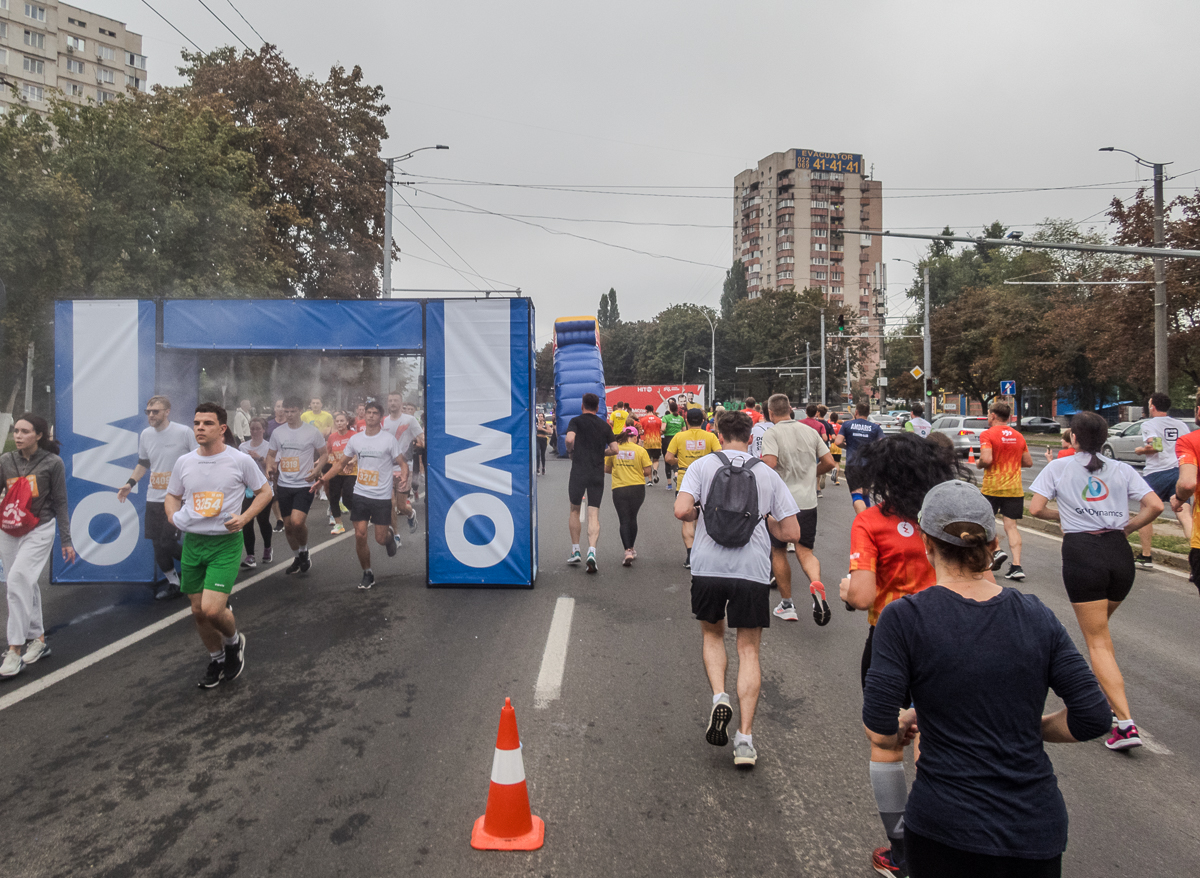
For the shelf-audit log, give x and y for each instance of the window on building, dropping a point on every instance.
(786, 260)
(837, 291)
(76, 43)
(135, 60)
(75, 90)
(103, 75)
(107, 33)
(753, 268)
(820, 203)
(74, 65)
(31, 92)
(3, 4)
(3, 56)
(785, 245)
(33, 38)
(108, 53)
(820, 260)
(37, 13)
(820, 248)
(77, 22)
(3, 28)
(35, 65)
(785, 275)
(820, 233)
(103, 97)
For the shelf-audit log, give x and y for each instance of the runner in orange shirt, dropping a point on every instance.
(1187, 451)
(652, 429)
(1002, 455)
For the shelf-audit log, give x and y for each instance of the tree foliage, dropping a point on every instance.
(608, 314)
(734, 290)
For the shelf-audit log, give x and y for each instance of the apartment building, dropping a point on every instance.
(794, 219)
(46, 46)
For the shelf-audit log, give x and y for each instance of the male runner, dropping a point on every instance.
(856, 433)
(755, 415)
(673, 423)
(757, 432)
(917, 423)
(408, 432)
(685, 449)
(834, 448)
(589, 440)
(734, 581)
(652, 427)
(204, 500)
(617, 417)
(1160, 432)
(241, 421)
(1187, 450)
(159, 446)
(360, 418)
(277, 418)
(796, 451)
(376, 453)
(294, 447)
(1002, 455)
(318, 417)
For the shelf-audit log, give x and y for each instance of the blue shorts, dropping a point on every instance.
(1163, 482)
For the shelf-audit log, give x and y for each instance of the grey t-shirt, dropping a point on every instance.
(158, 450)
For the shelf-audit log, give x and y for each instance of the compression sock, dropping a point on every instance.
(304, 549)
(230, 641)
(891, 795)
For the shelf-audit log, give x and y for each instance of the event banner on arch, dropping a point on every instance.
(658, 395)
(104, 372)
(479, 434)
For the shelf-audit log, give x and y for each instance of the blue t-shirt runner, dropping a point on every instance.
(859, 432)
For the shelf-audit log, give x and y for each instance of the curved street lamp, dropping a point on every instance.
(712, 377)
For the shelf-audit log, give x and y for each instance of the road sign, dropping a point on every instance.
(883, 381)
(1008, 388)
(917, 372)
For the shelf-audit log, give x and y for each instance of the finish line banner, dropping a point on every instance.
(479, 435)
(103, 374)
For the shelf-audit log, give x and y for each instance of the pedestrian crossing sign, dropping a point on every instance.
(917, 372)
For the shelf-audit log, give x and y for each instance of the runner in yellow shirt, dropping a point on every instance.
(685, 449)
(629, 469)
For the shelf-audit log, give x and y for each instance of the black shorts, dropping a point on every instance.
(1009, 507)
(808, 530)
(747, 603)
(584, 482)
(655, 453)
(157, 526)
(299, 499)
(369, 509)
(854, 477)
(1194, 563)
(1097, 567)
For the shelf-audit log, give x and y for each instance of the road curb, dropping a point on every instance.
(1161, 556)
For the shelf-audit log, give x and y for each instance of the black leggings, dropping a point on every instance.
(627, 502)
(264, 526)
(932, 859)
(542, 443)
(339, 490)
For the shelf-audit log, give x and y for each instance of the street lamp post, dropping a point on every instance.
(1161, 377)
(712, 372)
(385, 368)
(927, 378)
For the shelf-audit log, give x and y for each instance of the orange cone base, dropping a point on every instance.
(530, 841)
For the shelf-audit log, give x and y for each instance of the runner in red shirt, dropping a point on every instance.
(340, 485)
(651, 426)
(1002, 455)
(755, 415)
(820, 426)
(1067, 449)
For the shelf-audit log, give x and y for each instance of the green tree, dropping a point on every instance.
(608, 314)
(734, 290)
(544, 365)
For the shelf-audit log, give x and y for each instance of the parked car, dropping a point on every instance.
(889, 424)
(1040, 425)
(1120, 446)
(963, 431)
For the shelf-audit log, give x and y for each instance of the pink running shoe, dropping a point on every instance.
(1123, 739)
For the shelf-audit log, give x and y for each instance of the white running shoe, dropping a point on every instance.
(787, 612)
(35, 650)
(12, 664)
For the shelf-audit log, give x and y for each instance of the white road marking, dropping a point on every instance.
(1157, 569)
(554, 658)
(113, 648)
(1152, 745)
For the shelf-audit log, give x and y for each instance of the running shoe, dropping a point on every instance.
(1123, 739)
(628, 562)
(575, 558)
(821, 611)
(718, 720)
(332, 520)
(687, 561)
(791, 547)
(744, 755)
(819, 494)
(1144, 562)
(338, 528)
(787, 611)
(249, 563)
(35, 650)
(391, 545)
(591, 561)
(882, 862)
(1015, 572)
(279, 526)
(835, 480)
(412, 522)
(368, 580)
(294, 567)
(649, 483)
(656, 477)
(998, 559)
(235, 659)
(267, 557)
(12, 664)
(167, 591)
(212, 677)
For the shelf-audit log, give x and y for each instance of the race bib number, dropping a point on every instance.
(32, 479)
(159, 481)
(207, 504)
(695, 444)
(289, 465)
(625, 454)
(368, 478)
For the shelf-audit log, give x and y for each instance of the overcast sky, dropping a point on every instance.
(947, 101)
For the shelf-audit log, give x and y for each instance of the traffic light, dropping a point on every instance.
(841, 323)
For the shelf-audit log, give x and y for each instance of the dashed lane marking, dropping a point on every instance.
(554, 657)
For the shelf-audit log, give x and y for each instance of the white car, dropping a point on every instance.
(963, 431)
(889, 424)
(1120, 444)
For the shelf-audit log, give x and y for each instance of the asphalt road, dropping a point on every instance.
(359, 740)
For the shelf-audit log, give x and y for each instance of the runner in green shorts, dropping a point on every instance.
(204, 500)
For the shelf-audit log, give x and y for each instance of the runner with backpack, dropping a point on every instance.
(729, 498)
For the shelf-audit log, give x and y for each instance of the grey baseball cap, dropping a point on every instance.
(952, 503)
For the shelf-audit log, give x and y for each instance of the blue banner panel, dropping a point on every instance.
(292, 325)
(479, 407)
(103, 374)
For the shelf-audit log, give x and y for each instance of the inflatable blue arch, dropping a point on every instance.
(578, 369)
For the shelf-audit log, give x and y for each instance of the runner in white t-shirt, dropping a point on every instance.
(375, 453)
(204, 500)
(756, 436)
(1159, 435)
(917, 423)
(408, 432)
(296, 457)
(159, 446)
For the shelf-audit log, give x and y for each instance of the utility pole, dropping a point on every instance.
(927, 383)
(385, 366)
(1161, 379)
(823, 402)
(29, 379)
(807, 375)
(846, 344)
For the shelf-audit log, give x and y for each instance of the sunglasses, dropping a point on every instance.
(154, 411)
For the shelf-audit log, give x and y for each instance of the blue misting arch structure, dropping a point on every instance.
(111, 355)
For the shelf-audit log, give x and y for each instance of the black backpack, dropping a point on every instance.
(731, 512)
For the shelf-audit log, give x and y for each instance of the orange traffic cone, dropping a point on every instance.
(971, 456)
(508, 824)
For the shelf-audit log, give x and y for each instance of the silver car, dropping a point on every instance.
(1121, 443)
(963, 431)
(889, 424)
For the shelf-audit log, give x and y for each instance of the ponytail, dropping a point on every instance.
(1090, 431)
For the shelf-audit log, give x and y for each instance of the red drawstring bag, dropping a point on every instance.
(15, 518)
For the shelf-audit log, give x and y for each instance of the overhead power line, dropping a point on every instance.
(243, 18)
(168, 21)
(439, 234)
(224, 25)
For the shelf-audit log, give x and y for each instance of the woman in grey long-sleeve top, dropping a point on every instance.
(36, 459)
